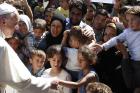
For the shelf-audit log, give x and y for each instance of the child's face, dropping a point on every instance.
(82, 61)
(109, 33)
(23, 28)
(38, 33)
(55, 61)
(73, 42)
(133, 22)
(14, 43)
(37, 62)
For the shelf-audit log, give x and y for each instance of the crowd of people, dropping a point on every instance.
(76, 46)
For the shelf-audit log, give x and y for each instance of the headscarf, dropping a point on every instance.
(49, 39)
(27, 21)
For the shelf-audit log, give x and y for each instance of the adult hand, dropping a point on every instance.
(96, 47)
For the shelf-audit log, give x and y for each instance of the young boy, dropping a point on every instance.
(37, 61)
(39, 27)
(131, 35)
(97, 87)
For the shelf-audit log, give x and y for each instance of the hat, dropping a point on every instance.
(6, 9)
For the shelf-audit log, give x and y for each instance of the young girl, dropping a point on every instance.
(56, 57)
(85, 58)
(76, 38)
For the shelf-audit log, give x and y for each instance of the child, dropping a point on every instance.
(37, 61)
(86, 57)
(56, 57)
(75, 39)
(15, 43)
(39, 27)
(131, 35)
(64, 8)
(97, 87)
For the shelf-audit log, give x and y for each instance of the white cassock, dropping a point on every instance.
(16, 75)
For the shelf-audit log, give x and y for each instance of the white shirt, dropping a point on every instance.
(63, 75)
(72, 62)
(14, 73)
(132, 39)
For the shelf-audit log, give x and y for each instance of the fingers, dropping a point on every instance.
(96, 48)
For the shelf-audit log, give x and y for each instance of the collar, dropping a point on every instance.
(2, 34)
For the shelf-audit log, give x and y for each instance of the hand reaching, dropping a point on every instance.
(96, 47)
(54, 84)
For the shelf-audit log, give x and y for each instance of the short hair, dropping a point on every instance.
(98, 87)
(56, 49)
(78, 32)
(39, 53)
(79, 4)
(86, 52)
(135, 10)
(39, 24)
(102, 12)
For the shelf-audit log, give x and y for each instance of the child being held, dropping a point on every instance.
(75, 39)
(37, 61)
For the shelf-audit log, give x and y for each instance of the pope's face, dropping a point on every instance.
(10, 24)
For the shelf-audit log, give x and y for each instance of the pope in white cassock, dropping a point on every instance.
(13, 73)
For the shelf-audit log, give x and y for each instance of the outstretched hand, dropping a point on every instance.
(96, 47)
(54, 84)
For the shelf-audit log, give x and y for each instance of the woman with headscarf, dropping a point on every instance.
(25, 34)
(55, 35)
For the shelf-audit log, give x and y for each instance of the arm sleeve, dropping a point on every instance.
(112, 42)
(67, 90)
(14, 73)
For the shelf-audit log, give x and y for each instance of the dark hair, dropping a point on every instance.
(102, 12)
(39, 24)
(78, 32)
(98, 87)
(79, 4)
(86, 52)
(59, 18)
(56, 49)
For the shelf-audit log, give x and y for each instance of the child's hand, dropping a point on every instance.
(54, 84)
